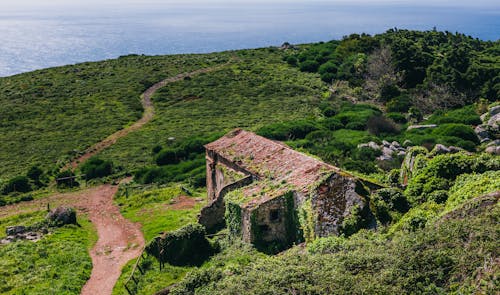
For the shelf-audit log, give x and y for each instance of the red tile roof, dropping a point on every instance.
(270, 160)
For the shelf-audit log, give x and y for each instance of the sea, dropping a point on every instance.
(39, 34)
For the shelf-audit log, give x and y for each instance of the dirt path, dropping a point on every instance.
(119, 240)
(148, 114)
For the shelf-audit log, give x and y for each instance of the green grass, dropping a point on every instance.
(454, 255)
(257, 89)
(152, 207)
(57, 264)
(48, 116)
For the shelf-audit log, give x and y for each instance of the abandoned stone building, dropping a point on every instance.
(269, 194)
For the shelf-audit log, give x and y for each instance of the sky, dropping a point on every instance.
(13, 4)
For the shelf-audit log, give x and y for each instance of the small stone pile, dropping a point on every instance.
(389, 150)
(55, 218)
(489, 130)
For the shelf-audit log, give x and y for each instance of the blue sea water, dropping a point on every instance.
(37, 36)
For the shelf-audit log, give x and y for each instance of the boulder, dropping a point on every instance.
(15, 230)
(421, 126)
(409, 163)
(62, 215)
(495, 110)
(494, 150)
(494, 121)
(440, 149)
(481, 132)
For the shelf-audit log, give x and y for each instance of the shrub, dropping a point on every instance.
(332, 124)
(310, 66)
(288, 130)
(17, 184)
(399, 104)
(328, 245)
(34, 173)
(378, 125)
(169, 156)
(466, 115)
(186, 246)
(96, 168)
(462, 131)
(397, 117)
(468, 186)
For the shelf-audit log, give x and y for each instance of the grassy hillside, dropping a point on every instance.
(324, 99)
(49, 116)
(258, 88)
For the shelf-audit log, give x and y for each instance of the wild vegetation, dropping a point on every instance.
(435, 234)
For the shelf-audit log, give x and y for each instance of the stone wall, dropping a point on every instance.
(212, 215)
(333, 201)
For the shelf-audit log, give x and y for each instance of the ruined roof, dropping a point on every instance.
(281, 166)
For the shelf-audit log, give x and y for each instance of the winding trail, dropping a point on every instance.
(148, 114)
(119, 240)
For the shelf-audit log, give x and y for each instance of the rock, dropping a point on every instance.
(407, 143)
(494, 150)
(421, 126)
(481, 132)
(455, 149)
(62, 215)
(495, 110)
(485, 140)
(387, 152)
(401, 153)
(494, 143)
(371, 144)
(440, 149)
(15, 230)
(395, 144)
(410, 164)
(385, 143)
(494, 121)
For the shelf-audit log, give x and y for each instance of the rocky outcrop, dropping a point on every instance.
(440, 149)
(411, 163)
(62, 215)
(489, 131)
(390, 151)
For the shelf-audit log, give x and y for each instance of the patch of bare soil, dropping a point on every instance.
(119, 240)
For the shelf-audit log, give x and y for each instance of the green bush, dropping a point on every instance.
(17, 184)
(185, 246)
(466, 115)
(462, 131)
(332, 124)
(309, 66)
(441, 171)
(288, 130)
(400, 104)
(468, 186)
(397, 117)
(96, 168)
(387, 203)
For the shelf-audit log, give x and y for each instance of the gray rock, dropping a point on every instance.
(481, 132)
(454, 149)
(62, 215)
(421, 126)
(385, 143)
(396, 144)
(401, 153)
(494, 143)
(494, 150)
(494, 121)
(386, 151)
(485, 140)
(440, 149)
(495, 110)
(15, 230)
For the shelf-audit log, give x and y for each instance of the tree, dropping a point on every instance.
(381, 75)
